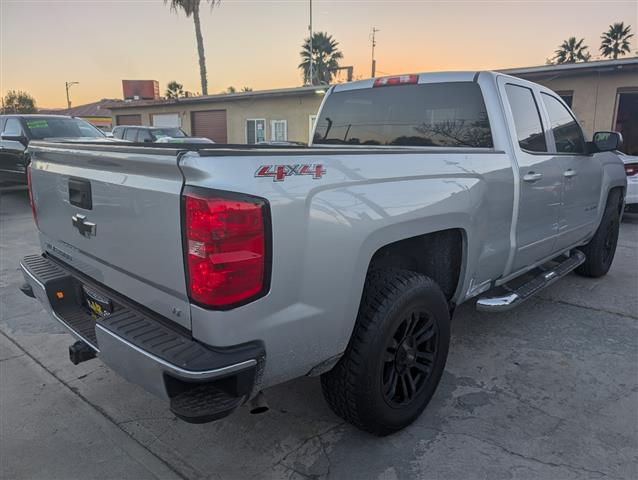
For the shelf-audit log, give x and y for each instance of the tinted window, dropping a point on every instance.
(436, 114)
(13, 127)
(169, 132)
(527, 120)
(567, 133)
(144, 136)
(60, 127)
(130, 134)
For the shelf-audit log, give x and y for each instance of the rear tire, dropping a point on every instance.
(600, 250)
(396, 354)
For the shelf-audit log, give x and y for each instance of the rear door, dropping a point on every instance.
(540, 175)
(582, 173)
(113, 213)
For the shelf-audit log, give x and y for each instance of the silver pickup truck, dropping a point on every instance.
(206, 273)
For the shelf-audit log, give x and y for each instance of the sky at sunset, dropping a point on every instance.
(257, 43)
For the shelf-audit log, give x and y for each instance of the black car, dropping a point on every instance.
(16, 131)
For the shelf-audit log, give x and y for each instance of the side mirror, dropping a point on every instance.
(606, 141)
(15, 138)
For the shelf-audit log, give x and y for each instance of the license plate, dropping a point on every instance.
(99, 305)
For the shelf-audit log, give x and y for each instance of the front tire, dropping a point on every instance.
(600, 250)
(396, 355)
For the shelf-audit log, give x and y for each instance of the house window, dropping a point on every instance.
(255, 130)
(279, 130)
(567, 96)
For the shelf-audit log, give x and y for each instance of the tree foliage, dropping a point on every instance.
(174, 90)
(572, 51)
(17, 101)
(615, 41)
(325, 59)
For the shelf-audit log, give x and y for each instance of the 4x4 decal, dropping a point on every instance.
(280, 172)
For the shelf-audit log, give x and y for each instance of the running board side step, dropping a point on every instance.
(515, 297)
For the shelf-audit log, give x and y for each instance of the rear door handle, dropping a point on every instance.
(569, 173)
(532, 177)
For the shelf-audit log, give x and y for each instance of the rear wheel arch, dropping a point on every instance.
(439, 255)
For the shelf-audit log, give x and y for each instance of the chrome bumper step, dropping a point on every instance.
(514, 297)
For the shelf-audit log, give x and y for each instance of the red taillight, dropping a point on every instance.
(225, 248)
(631, 169)
(399, 80)
(31, 202)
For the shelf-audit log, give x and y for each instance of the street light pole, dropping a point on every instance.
(374, 44)
(310, 69)
(69, 85)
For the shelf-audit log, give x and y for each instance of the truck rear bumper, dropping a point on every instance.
(202, 383)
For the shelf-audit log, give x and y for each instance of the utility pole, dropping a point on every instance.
(310, 69)
(69, 85)
(374, 44)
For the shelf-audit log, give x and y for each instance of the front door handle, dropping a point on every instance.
(532, 177)
(570, 173)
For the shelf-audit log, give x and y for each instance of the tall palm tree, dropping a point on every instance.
(191, 8)
(325, 59)
(572, 51)
(615, 41)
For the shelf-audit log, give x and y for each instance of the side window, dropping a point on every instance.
(567, 133)
(13, 127)
(130, 134)
(527, 119)
(144, 136)
(117, 132)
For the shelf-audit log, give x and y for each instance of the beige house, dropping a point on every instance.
(603, 94)
(246, 117)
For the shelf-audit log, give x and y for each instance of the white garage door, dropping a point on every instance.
(166, 120)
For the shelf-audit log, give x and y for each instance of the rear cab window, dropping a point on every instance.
(450, 114)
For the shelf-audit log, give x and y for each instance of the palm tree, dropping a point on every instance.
(571, 51)
(325, 59)
(615, 41)
(191, 8)
(174, 90)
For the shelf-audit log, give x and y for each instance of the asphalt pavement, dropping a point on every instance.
(546, 391)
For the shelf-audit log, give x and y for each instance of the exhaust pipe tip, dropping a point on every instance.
(258, 404)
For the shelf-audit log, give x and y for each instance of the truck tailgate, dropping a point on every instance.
(114, 213)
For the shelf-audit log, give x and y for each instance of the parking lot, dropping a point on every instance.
(549, 390)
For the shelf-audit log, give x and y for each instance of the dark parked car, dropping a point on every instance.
(143, 134)
(18, 130)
